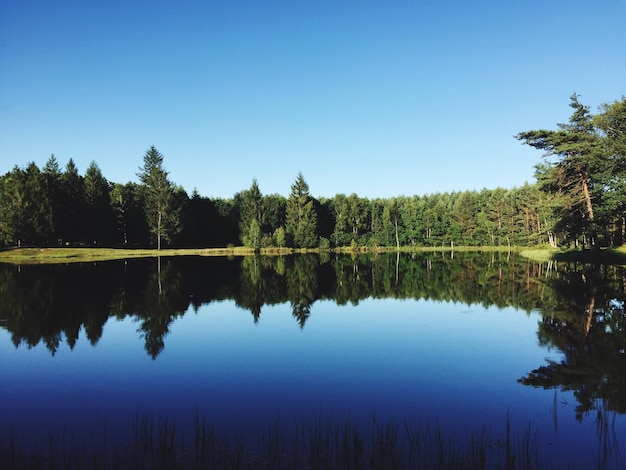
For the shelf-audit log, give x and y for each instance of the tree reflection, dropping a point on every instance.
(582, 306)
(260, 283)
(301, 286)
(161, 302)
(586, 323)
(51, 304)
(48, 304)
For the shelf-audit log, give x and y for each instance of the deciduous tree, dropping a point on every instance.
(251, 216)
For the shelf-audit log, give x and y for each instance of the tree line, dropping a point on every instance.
(579, 198)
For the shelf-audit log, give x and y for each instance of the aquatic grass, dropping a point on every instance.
(11, 448)
(323, 443)
(608, 450)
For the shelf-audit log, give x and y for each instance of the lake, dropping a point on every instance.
(524, 357)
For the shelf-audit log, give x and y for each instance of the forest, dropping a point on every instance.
(578, 199)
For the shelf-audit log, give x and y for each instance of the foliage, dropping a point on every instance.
(582, 157)
(251, 216)
(300, 215)
(25, 211)
(579, 199)
(162, 213)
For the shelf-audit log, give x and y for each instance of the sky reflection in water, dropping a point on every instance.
(448, 363)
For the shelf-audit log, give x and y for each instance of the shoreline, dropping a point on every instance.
(63, 255)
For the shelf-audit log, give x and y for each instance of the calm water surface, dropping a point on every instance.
(463, 343)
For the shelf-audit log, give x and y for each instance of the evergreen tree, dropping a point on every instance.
(52, 174)
(576, 170)
(199, 216)
(612, 124)
(129, 219)
(162, 215)
(25, 211)
(71, 227)
(98, 212)
(301, 219)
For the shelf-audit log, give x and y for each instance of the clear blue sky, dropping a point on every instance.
(379, 98)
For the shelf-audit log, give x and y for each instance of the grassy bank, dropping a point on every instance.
(90, 254)
(83, 255)
(615, 256)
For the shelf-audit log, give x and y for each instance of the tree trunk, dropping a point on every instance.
(589, 206)
(397, 239)
(159, 232)
(586, 195)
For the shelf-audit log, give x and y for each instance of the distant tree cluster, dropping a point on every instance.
(579, 198)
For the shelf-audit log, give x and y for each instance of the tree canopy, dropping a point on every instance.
(586, 175)
(162, 214)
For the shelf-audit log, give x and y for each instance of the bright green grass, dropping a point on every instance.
(82, 255)
(615, 256)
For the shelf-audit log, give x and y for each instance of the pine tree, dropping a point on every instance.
(98, 211)
(576, 170)
(70, 227)
(301, 219)
(25, 211)
(162, 215)
(52, 174)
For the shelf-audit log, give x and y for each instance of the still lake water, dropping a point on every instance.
(465, 342)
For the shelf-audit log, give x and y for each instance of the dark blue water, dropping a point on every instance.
(448, 363)
(452, 364)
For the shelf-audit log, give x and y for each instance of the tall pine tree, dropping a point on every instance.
(98, 211)
(162, 215)
(300, 215)
(576, 169)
